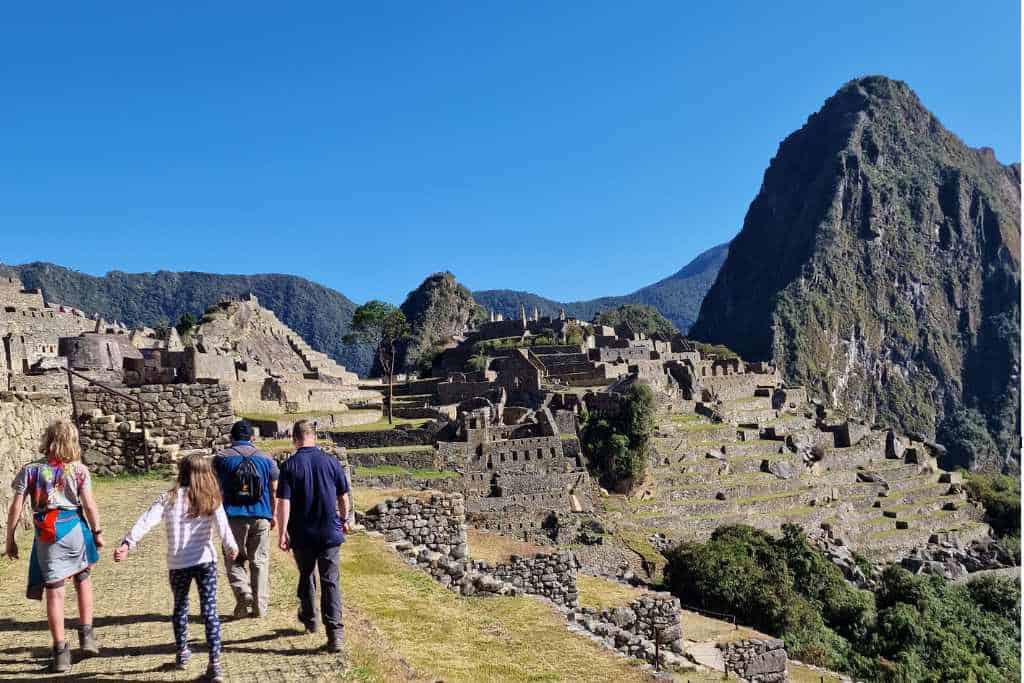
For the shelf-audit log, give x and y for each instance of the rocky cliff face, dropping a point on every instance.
(879, 265)
(439, 309)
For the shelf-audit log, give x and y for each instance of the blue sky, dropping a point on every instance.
(571, 149)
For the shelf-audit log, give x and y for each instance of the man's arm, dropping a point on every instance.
(344, 505)
(284, 509)
(273, 503)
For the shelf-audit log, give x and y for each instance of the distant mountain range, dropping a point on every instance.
(678, 296)
(320, 314)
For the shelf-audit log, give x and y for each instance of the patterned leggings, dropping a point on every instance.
(206, 581)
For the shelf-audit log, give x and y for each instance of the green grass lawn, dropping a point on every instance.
(382, 425)
(303, 414)
(392, 449)
(468, 639)
(395, 470)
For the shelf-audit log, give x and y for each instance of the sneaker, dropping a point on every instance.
(61, 658)
(181, 660)
(335, 643)
(243, 608)
(214, 673)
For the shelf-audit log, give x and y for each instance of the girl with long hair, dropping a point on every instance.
(59, 491)
(190, 511)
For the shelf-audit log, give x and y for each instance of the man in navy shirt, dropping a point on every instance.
(251, 518)
(312, 518)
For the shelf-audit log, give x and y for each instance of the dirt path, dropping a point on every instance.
(133, 602)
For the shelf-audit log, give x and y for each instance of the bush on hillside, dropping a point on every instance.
(646, 319)
(917, 628)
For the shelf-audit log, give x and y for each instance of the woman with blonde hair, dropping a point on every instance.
(59, 491)
(190, 511)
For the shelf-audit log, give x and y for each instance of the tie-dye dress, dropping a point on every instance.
(64, 546)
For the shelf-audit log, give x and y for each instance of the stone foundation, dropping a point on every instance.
(758, 661)
(634, 628)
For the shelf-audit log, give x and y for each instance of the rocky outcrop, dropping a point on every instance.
(439, 310)
(879, 266)
(953, 561)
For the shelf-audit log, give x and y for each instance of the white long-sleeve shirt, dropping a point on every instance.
(189, 539)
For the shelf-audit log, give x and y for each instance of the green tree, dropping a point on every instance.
(619, 446)
(646, 319)
(382, 326)
(186, 327)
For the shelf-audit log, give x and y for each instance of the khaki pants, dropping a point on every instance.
(249, 573)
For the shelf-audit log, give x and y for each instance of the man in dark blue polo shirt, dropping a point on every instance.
(248, 481)
(312, 518)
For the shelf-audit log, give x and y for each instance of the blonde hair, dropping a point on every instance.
(196, 474)
(301, 430)
(60, 441)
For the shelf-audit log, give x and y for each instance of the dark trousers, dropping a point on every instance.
(205, 576)
(325, 562)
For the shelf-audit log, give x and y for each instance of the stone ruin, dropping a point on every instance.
(268, 367)
(430, 533)
(168, 398)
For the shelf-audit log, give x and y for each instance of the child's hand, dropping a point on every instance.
(283, 542)
(121, 552)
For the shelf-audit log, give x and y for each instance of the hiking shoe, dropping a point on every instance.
(181, 660)
(243, 608)
(214, 673)
(335, 643)
(61, 658)
(87, 641)
(310, 625)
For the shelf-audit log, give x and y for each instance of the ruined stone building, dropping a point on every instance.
(267, 366)
(515, 475)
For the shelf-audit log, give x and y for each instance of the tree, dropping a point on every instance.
(185, 327)
(646, 319)
(619, 446)
(382, 326)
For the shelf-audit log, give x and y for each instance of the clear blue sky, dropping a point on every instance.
(574, 150)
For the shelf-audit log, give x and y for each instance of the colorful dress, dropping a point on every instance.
(63, 546)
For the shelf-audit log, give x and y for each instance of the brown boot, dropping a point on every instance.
(87, 641)
(61, 658)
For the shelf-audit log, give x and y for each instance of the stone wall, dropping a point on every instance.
(23, 418)
(192, 416)
(431, 533)
(633, 629)
(437, 523)
(551, 576)
(758, 661)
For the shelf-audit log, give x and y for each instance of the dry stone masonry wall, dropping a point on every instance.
(758, 661)
(23, 418)
(646, 628)
(185, 416)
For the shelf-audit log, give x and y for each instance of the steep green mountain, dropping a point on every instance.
(879, 265)
(437, 310)
(677, 297)
(321, 315)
